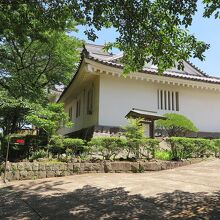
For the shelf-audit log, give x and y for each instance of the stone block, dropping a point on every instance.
(77, 167)
(66, 173)
(164, 165)
(63, 166)
(55, 167)
(42, 174)
(35, 166)
(42, 167)
(31, 175)
(16, 175)
(107, 167)
(121, 166)
(20, 166)
(150, 166)
(135, 167)
(9, 176)
(8, 167)
(14, 166)
(28, 166)
(50, 174)
(48, 167)
(23, 175)
(171, 165)
(96, 167)
(70, 166)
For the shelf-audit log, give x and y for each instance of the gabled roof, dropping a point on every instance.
(99, 55)
(190, 72)
(147, 115)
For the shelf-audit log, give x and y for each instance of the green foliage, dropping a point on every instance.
(36, 55)
(216, 147)
(50, 119)
(134, 133)
(73, 145)
(137, 143)
(176, 125)
(38, 154)
(183, 148)
(12, 112)
(166, 42)
(211, 8)
(16, 151)
(134, 129)
(163, 155)
(151, 145)
(107, 147)
(56, 144)
(32, 66)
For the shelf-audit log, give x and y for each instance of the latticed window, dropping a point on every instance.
(71, 113)
(167, 100)
(90, 101)
(78, 108)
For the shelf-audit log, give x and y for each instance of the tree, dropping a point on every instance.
(152, 29)
(30, 68)
(176, 125)
(50, 119)
(134, 133)
(12, 113)
(34, 58)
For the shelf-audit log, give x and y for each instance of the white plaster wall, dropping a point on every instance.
(84, 120)
(119, 95)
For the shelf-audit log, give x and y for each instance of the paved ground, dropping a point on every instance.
(191, 192)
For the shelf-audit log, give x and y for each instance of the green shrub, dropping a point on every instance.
(38, 154)
(56, 144)
(151, 145)
(73, 145)
(107, 147)
(134, 129)
(216, 147)
(163, 155)
(175, 125)
(202, 147)
(134, 133)
(183, 148)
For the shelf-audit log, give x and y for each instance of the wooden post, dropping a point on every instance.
(152, 129)
(6, 159)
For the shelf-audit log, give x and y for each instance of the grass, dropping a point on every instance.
(163, 155)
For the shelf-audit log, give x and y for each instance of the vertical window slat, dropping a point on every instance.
(168, 100)
(158, 99)
(177, 101)
(173, 101)
(165, 99)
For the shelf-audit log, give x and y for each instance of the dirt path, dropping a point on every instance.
(190, 192)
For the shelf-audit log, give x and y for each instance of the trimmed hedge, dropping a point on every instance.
(107, 147)
(110, 147)
(183, 148)
(216, 147)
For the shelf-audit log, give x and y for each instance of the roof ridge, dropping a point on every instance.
(98, 45)
(197, 68)
(203, 78)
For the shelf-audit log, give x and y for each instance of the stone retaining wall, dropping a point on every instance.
(38, 170)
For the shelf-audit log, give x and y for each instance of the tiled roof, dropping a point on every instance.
(96, 53)
(109, 59)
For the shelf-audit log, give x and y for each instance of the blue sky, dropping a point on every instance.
(205, 29)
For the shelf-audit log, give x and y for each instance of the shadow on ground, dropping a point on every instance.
(95, 203)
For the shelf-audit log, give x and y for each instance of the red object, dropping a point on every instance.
(20, 141)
